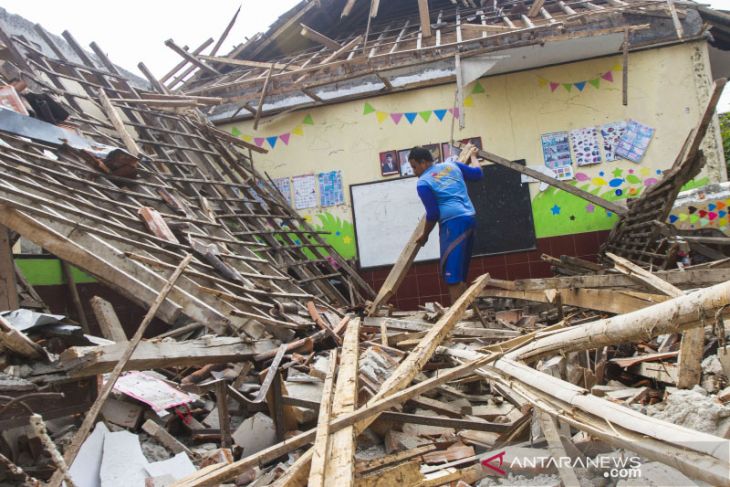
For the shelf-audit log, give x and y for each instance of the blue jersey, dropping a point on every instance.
(443, 190)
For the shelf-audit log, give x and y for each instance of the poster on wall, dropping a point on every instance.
(305, 191)
(611, 133)
(284, 187)
(556, 149)
(330, 188)
(405, 167)
(635, 141)
(585, 146)
(564, 173)
(389, 163)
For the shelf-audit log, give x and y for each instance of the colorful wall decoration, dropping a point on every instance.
(273, 140)
(606, 77)
(330, 188)
(438, 114)
(705, 207)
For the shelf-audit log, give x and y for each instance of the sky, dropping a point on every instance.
(135, 30)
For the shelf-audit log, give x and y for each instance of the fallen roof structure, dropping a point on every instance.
(138, 189)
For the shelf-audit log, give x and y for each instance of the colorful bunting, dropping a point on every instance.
(580, 85)
(478, 88)
(272, 140)
(411, 117)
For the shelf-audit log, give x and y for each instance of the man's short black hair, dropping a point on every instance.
(420, 154)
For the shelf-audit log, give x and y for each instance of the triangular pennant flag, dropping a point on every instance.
(567, 86)
(381, 116)
(542, 82)
(411, 117)
(468, 101)
(608, 76)
(617, 67)
(596, 83)
(285, 138)
(247, 138)
(554, 86)
(368, 109)
(440, 114)
(396, 117)
(272, 140)
(308, 120)
(425, 115)
(259, 141)
(478, 88)
(580, 85)
(235, 132)
(298, 130)
(455, 112)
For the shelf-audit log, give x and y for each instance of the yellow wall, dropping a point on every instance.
(667, 88)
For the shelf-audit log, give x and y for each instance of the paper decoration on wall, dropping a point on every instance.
(635, 140)
(541, 169)
(556, 149)
(273, 140)
(305, 192)
(585, 146)
(611, 133)
(284, 187)
(330, 188)
(563, 173)
(604, 77)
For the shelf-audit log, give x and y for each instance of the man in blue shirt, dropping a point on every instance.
(442, 190)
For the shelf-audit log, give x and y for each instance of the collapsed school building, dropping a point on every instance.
(242, 298)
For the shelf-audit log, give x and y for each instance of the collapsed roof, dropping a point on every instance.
(335, 50)
(123, 183)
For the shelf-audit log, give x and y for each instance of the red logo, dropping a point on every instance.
(500, 456)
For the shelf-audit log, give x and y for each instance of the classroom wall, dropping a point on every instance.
(667, 88)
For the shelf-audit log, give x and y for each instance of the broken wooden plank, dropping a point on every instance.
(555, 446)
(311, 34)
(8, 286)
(170, 442)
(111, 327)
(86, 361)
(425, 17)
(340, 467)
(321, 442)
(90, 417)
(17, 342)
(75, 298)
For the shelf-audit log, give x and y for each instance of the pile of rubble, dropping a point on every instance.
(277, 369)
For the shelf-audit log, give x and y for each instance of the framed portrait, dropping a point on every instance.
(389, 163)
(435, 150)
(405, 167)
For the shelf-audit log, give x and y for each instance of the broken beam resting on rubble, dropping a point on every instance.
(703, 456)
(555, 447)
(671, 316)
(216, 474)
(17, 342)
(87, 361)
(611, 301)
(340, 466)
(91, 415)
(111, 327)
(321, 442)
(692, 346)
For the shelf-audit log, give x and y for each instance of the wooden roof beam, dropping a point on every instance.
(348, 8)
(186, 55)
(425, 18)
(311, 34)
(535, 8)
(249, 63)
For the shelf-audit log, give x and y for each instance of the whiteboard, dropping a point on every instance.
(385, 215)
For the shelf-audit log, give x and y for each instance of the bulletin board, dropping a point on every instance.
(385, 213)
